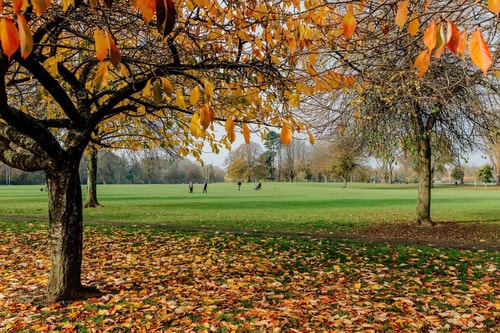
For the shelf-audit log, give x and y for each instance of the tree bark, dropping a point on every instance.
(66, 234)
(91, 164)
(423, 216)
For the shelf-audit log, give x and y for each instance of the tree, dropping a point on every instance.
(485, 174)
(72, 69)
(458, 174)
(247, 162)
(419, 94)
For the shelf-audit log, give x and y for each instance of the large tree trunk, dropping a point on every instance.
(66, 233)
(91, 164)
(423, 216)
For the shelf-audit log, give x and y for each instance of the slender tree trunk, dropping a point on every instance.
(91, 164)
(423, 216)
(66, 234)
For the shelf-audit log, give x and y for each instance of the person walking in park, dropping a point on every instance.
(239, 185)
(190, 187)
(205, 187)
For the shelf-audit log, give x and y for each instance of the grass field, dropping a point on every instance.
(293, 207)
(158, 280)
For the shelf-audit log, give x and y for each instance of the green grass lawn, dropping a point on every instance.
(292, 207)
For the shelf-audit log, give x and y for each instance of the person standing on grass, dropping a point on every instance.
(205, 184)
(239, 185)
(190, 187)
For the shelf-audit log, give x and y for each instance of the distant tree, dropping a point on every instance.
(273, 145)
(247, 162)
(458, 174)
(485, 174)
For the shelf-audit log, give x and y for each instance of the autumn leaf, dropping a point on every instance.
(430, 36)
(402, 13)
(414, 25)
(147, 8)
(462, 45)
(494, 6)
(157, 92)
(25, 37)
(19, 5)
(101, 45)
(194, 125)
(101, 77)
(479, 51)
(167, 86)
(440, 46)
(286, 135)
(246, 133)
(205, 116)
(453, 37)
(194, 97)
(229, 126)
(422, 61)
(165, 16)
(348, 24)
(9, 36)
(40, 6)
(67, 3)
(114, 53)
(311, 138)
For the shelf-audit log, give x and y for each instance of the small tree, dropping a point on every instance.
(458, 174)
(485, 174)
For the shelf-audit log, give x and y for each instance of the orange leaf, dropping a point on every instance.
(246, 133)
(165, 16)
(463, 44)
(479, 51)
(494, 6)
(349, 24)
(205, 116)
(422, 62)
(147, 8)
(19, 5)
(311, 138)
(25, 37)
(114, 53)
(286, 135)
(40, 6)
(402, 13)
(230, 129)
(414, 25)
(101, 45)
(430, 35)
(9, 36)
(453, 37)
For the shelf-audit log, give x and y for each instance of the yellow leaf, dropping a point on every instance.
(146, 92)
(422, 61)
(402, 13)
(194, 97)
(194, 125)
(157, 93)
(9, 36)
(101, 45)
(357, 285)
(479, 51)
(209, 90)
(440, 42)
(414, 25)
(286, 135)
(231, 136)
(349, 24)
(179, 99)
(25, 37)
(311, 138)
(494, 6)
(101, 77)
(67, 3)
(114, 53)
(40, 6)
(51, 65)
(167, 86)
(430, 35)
(246, 133)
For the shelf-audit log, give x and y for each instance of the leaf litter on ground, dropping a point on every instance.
(158, 281)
